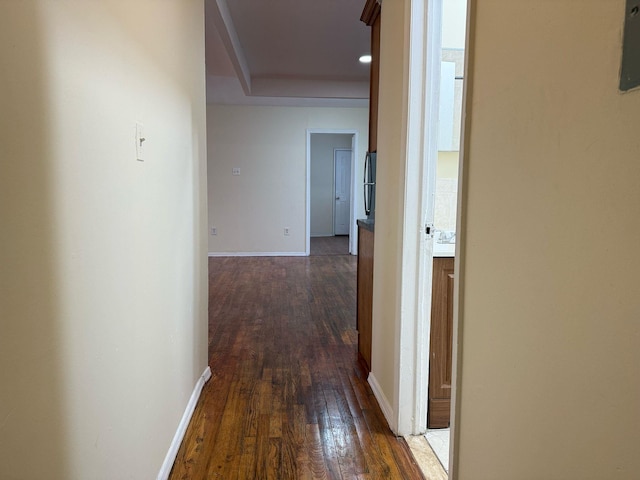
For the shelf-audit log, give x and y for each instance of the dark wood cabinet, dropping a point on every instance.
(371, 16)
(441, 342)
(365, 295)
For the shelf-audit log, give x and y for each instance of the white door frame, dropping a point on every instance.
(411, 395)
(353, 211)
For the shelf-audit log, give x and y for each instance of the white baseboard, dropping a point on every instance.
(258, 254)
(385, 406)
(167, 465)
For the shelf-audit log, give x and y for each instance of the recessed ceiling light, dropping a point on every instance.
(365, 59)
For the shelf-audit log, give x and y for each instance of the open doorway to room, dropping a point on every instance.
(330, 196)
(454, 14)
(438, 37)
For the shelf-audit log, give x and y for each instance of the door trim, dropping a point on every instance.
(353, 232)
(412, 367)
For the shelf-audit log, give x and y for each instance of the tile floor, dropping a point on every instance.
(439, 442)
(425, 458)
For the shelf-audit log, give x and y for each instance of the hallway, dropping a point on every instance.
(287, 399)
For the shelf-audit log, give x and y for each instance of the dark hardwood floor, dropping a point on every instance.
(287, 399)
(336, 245)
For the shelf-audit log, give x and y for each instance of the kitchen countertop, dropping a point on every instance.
(367, 224)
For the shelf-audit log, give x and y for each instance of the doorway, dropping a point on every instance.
(452, 53)
(330, 190)
(438, 31)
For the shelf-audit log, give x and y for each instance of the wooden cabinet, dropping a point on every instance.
(365, 294)
(441, 342)
(371, 16)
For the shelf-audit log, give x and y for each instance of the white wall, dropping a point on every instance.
(268, 144)
(103, 277)
(549, 378)
(322, 180)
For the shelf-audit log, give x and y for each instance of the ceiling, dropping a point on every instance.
(286, 52)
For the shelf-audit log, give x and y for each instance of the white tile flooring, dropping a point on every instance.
(439, 442)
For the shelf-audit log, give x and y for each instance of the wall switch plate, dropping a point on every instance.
(236, 171)
(286, 230)
(140, 139)
(214, 231)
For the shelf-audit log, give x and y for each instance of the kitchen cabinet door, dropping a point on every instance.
(441, 343)
(365, 296)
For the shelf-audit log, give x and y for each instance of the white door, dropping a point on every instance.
(342, 160)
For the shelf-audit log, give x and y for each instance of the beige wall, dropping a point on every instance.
(268, 144)
(103, 258)
(390, 180)
(549, 309)
(322, 180)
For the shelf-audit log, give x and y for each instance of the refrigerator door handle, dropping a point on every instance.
(367, 160)
(367, 210)
(367, 166)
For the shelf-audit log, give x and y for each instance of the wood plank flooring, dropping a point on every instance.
(287, 399)
(336, 245)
